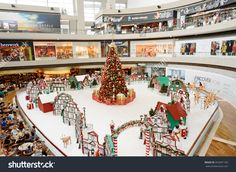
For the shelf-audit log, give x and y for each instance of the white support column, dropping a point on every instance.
(111, 4)
(79, 11)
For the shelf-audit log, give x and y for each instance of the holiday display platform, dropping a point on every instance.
(128, 142)
(113, 90)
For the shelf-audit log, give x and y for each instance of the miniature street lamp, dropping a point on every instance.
(141, 118)
(85, 125)
(92, 152)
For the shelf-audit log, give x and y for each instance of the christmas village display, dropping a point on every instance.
(162, 130)
(41, 93)
(113, 90)
(88, 141)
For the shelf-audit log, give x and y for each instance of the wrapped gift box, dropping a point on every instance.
(120, 99)
(27, 97)
(95, 92)
(131, 94)
(108, 101)
(30, 105)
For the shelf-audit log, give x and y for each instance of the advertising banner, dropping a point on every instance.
(151, 49)
(16, 51)
(64, 50)
(19, 21)
(136, 18)
(228, 48)
(45, 50)
(205, 6)
(188, 48)
(122, 48)
(146, 50)
(215, 48)
(87, 49)
(204, 47)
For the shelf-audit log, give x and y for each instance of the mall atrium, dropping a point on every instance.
(118, 78)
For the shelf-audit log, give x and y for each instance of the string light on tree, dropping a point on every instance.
(113, 88)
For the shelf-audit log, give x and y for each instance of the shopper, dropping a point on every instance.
(21, 126)
(4, 124)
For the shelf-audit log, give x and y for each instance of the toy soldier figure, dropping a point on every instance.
(92, 152)
(141, 133)
(187, 105)
(183, 130)
(112, 126)
(97, 152)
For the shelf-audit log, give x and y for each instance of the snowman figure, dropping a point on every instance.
(176, 132)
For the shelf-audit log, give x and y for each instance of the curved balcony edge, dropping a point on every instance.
(209, 29)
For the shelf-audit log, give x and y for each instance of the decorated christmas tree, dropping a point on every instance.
(113, 79)
(113, 86)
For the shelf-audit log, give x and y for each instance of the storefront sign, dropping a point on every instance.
(202, 79)
(16, 51)
(135, 18)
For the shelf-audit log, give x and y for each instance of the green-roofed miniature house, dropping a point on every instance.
(162, 83)
(73, 82)
(176, 85)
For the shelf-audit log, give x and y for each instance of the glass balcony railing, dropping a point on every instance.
(163, 57)
(193, 21)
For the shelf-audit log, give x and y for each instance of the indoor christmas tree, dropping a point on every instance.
(113, 80)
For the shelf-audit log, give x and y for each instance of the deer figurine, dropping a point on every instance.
(66, 140)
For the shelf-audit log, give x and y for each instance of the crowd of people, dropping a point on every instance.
(16, 81)
(16, 138)
(209, 18)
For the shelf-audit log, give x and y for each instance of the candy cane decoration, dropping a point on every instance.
(147, 138)
(115, 145)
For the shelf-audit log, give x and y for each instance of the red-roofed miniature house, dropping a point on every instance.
(175, 113)
(45, 102)
(161, 107)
